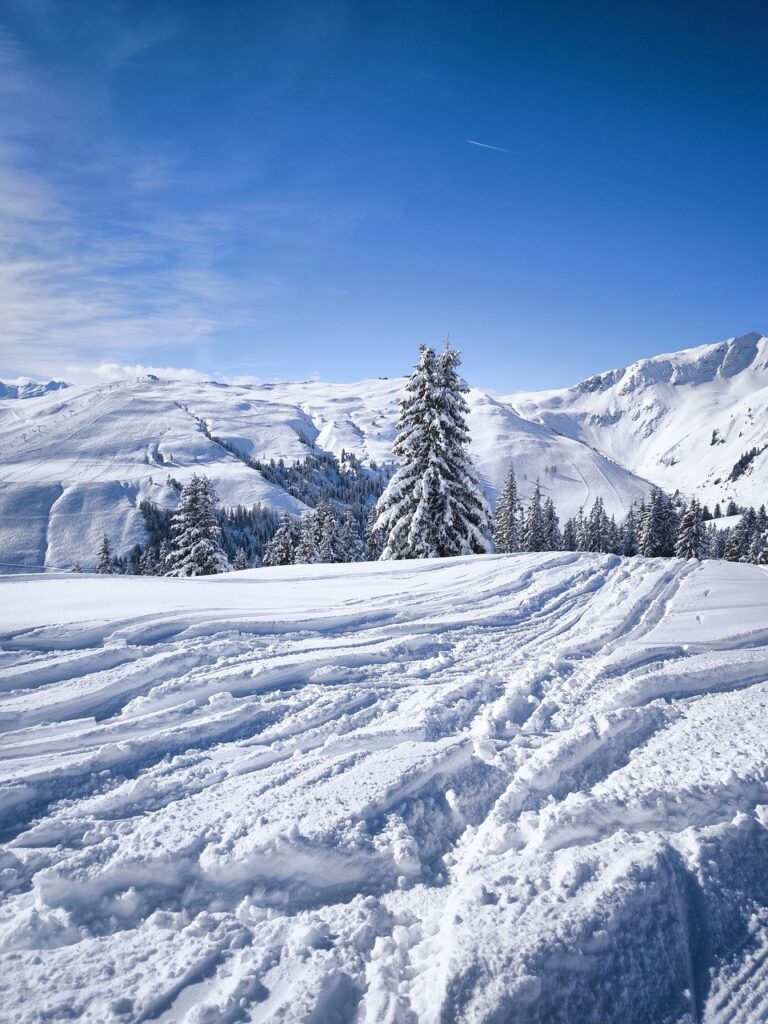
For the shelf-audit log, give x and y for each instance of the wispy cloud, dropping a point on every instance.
(96, 261)
(83, 373)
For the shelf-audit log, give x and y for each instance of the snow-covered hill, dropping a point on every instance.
(74, 465)
(682, 420)
(521, 789)
(25, 387)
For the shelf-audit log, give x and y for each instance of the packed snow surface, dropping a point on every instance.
(682, 420)
(75, 465)
(503, 789)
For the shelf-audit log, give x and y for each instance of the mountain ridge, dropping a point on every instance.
(683, 420)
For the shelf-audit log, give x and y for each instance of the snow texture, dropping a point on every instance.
(524, 788)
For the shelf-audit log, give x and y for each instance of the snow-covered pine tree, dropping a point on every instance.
(580, 531)
(281, 549)
(104, 563)
(327, 535)
(597, 527)
(569, 535)
(533, 525)
(147, 565)
(505, 521)
(433, 506)
(691, 537)
(77, 567)
(350, 541)
(652, 526)
(551, 524)
(196, 537)
(628, 544)
(374, 539)
(241, 561)
(306, 547)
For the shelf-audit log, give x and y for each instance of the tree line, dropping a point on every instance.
(431, 507)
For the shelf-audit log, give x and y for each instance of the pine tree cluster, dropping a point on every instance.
(661, 527)
(319, 536)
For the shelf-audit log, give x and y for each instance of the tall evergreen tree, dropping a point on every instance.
(241, 561)
(196, 536)
(350, 541)
(506, 534)
(597, 527)
(652, 526)
(281, 549)
(433, 506)
(691, 537)
(306, 547)
(374, 538)
(104, 563)
(147, 565)
(328, 548)
(551, 524)
(628, 543)
(533, 526)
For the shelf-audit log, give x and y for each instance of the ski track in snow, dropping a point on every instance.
(502, 789)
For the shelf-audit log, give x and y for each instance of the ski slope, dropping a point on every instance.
(523, 788)
(657, 418)
(74, 465)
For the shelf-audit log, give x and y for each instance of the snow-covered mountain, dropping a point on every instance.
(471, 790)
(74, 465)
(25, 387)
(683, 420)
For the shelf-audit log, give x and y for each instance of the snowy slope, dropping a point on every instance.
(75, 465)
(657, 417)
(515, 789)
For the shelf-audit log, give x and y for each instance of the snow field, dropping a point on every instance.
(509, 788)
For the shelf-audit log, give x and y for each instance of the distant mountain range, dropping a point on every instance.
(24, 387)
(696, 420)
(75, 463)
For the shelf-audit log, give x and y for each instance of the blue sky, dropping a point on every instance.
(284, 190)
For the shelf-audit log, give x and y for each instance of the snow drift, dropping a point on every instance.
(523, 788)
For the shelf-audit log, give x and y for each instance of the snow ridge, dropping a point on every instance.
(682, 420)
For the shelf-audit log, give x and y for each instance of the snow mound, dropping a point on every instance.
(682, 420)
(523, 788)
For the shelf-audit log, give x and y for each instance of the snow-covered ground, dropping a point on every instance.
(523, 788)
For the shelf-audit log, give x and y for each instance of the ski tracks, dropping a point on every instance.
(493, 791)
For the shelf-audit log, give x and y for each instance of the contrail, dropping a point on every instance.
(499, 149)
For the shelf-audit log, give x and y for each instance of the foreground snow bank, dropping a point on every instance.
(496, 789)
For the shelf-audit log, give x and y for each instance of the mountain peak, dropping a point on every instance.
(26, 387)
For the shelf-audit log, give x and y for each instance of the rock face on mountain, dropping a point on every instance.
(696, 420)
(75, 465)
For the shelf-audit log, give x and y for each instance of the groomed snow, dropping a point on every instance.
(499, 789)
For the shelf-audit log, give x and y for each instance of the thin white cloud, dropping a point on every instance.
(94, 265)
(83, 373)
